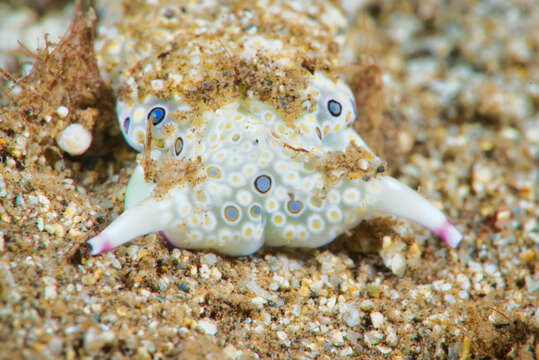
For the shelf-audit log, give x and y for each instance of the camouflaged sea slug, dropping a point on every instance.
(243, 125)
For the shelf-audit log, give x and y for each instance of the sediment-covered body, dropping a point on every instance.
(240, 112)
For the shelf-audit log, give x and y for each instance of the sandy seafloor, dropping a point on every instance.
(461, 85)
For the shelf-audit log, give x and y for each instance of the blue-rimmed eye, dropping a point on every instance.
(157, 115)
(334, 108)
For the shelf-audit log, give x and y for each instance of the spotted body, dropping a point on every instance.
(259, 153)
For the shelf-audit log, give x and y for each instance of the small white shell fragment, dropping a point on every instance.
(259, 302)
(207, 327)
(62, 111)
(205, 271)
(210, 259)
(384, 349)
(391, 339)
(55, 229)
(351, 316)
(373, 337)
(532, 284)
(55, 346)
(94, 342)
(366, 305)
(337, 338)
(398, 265)
(392, 255)
(282, 335)
(157, 84)
(50, 288)
(74, 139)
(363, 164)
(378, 320)
(230, 352)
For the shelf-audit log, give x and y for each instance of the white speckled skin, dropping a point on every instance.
(260, 185)
(227, 213)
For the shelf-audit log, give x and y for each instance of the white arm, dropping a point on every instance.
(395, 198)
(146, 217)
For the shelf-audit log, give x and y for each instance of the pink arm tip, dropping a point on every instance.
(449, 233)
(99, 244)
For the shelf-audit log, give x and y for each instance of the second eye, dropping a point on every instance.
(334, 108)
(157, 115)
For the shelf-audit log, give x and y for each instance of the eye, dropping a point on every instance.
(178, 146)
(127, 122)
(334, 108)
(157, 115)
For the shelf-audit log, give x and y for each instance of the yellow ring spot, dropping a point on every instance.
(278, 220)
(200, 196)
(138, 113)
(316, 202)
(213, 172)
(139, 135)
(158, 143)
(272, 205)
